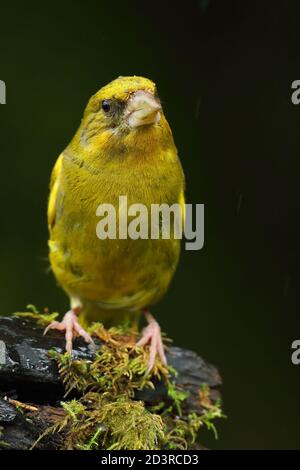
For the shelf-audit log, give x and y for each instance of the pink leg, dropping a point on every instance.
(151, 334)
(69, 324)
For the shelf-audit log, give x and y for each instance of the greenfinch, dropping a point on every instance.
(124, 146)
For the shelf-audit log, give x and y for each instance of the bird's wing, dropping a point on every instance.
(54, 185)
(182, 205)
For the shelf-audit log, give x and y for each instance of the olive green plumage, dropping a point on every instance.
(105, 159)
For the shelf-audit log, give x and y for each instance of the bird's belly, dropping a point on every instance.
(116, 274)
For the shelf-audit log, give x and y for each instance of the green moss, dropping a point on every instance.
(178, 396)
(42, 319)
(106, 416)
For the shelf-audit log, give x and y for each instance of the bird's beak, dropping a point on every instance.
(142, 108)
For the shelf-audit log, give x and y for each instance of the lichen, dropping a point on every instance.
(106, 414)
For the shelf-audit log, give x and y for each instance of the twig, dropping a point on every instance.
(19, 404)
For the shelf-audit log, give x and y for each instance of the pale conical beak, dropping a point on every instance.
(142, 109)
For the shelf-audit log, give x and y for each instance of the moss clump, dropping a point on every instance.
(106, 416)
(42, 319)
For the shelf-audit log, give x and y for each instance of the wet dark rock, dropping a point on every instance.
(8, 412)
(28, 367)
(26, 351)
(192, 372)
(33, 376)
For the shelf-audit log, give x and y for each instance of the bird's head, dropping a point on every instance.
(125, 111)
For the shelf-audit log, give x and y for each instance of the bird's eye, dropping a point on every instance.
(106, 106)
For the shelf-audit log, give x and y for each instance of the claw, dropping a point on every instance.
(70, 324)
(152, 334)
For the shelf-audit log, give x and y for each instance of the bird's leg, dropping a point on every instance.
(151, 334)
(70, 325)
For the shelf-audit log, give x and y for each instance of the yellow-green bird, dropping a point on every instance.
(124, 146)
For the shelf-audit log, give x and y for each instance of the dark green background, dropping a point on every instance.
(224, 72)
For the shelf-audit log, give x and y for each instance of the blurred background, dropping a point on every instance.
(224, 72)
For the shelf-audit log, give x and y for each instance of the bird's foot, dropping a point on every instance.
(152, 334)
(70, 325)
